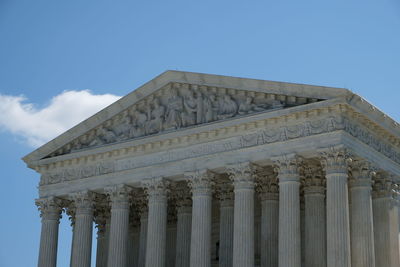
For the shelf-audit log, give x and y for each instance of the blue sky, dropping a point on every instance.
(51, 51)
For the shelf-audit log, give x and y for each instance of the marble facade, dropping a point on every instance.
(198, 170)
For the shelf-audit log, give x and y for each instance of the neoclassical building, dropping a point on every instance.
(198, 170)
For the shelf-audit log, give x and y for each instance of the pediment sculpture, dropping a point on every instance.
(177, 106)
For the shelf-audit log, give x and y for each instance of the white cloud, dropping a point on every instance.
(39, 125)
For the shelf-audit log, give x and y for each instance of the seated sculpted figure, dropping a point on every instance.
(227, 107)
(173, 118)
(190, 105)
(156, 118)
(138, 123)
(123, 128)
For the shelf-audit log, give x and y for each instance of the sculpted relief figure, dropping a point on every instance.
(248, 106)
(138, 123)
(183, 105)
(173, 118)
(156, 117)
(122, 130)
(190, 104)
(227, 107)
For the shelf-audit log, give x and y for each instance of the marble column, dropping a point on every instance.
(386, 221)
(362, 229)
(268, 191)
(335, 163)
(200, 245)
(133, 243)
(171, 235)
(70, 211)
(50, 212)
(142, 207)
(157, 222)
(136, 245)
(82, 241)
(315, 218)
(100, 220)
(120, 197)
(184, 225)
(226, 222)
(289, 211)
(242, 177)
(133, 240)
(107, 237)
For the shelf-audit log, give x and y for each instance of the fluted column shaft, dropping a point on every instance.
(101, 245)
(289, 213)
(315, 226)
(184, 227)
(335, 164)
(289, 224)
(386, 225)
(171, 244)
(119, 228)
(200, 244)
(362, 230)
(157, 223)
(143, 239)
(183, 224)
(243, 233)
(50, 212)
(226, 233)
(82, 241)
(269, 229)
(135, 247)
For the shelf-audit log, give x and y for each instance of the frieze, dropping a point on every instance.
(260, 137)
(179, 106)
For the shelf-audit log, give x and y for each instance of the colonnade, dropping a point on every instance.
(347, 221)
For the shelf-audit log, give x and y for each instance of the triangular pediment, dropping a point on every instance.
(177, 100)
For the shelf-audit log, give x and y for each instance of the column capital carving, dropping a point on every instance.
(287, 166)
(335, 160)
(119, 193)
(70, 210)
(182, 195)
(141, 203)
(361, 174)
(313, 179)
(50, 208)
(156, 189)
(267, 184)
(83, 201)
(224, 192)
(200, 182)
(101, 214)
(385, 187)
(242, 175)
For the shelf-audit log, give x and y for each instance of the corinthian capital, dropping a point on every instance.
(335, 160)
(156, 189)
(242, 175)
(287, 166)
(267, 184)
(200, 182)
(313, 179)
(119, 194)
(50, 208)
(384, 186)
(361, 173)
(83, 201)
(182, 194)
